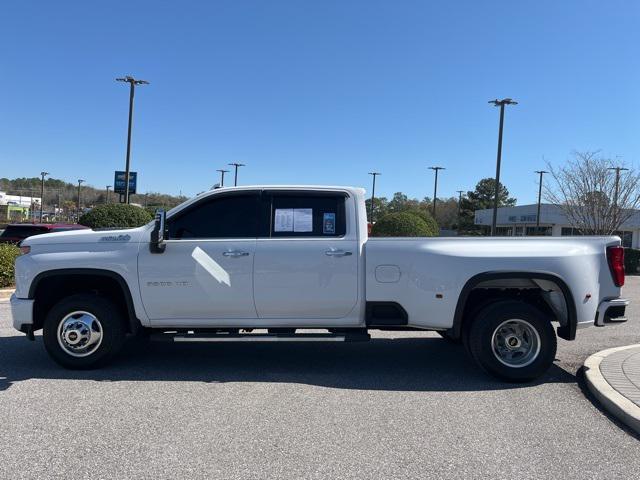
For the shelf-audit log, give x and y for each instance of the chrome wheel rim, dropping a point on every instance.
(515, 343)
(80, 334)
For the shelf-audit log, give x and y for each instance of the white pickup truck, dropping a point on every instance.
(263, 263)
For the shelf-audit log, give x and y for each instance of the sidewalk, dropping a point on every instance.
(5, 293)
(613, 376)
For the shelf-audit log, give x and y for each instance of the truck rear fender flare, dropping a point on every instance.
(567, 331)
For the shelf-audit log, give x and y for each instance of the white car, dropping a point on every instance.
(234, 262)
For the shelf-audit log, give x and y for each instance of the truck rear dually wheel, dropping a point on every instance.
(512, 341)
(83, 331)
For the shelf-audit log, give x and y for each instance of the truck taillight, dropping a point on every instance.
(615, 256)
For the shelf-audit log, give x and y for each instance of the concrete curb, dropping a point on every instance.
(615, 403)
(5, 293)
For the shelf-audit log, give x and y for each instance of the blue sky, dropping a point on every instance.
(316, 92)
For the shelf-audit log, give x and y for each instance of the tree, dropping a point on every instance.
(380, 210)
(480, 199)
(59, 192)
(588, 193)
(447, 208)
(400, 203)
(482, 196)
(446, 212)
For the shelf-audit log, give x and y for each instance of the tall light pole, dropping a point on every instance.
(235, 178)
(435, 188)
(132, 87)
(42, 175)
(108, 187)
(80, 182)
(373, 193)
(460, 192)
(615, 194)
(541, 173)
(501, 104)
(222, 172)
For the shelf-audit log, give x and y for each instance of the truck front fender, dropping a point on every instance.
(65, 274)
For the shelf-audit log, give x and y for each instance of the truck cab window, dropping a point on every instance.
(220, 216)
(308, 215)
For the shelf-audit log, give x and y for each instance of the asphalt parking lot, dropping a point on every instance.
(400, 406)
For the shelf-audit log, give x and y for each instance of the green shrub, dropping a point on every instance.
(418, 212)
(631, 260)
(115, 215)
(405, 224)
(8, 255)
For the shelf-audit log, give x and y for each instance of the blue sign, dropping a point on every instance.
(329, 223)
(119, 182)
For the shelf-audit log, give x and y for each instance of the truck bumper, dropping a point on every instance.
(22, 313)
(611, 311)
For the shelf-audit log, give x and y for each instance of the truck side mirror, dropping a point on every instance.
(156, 243)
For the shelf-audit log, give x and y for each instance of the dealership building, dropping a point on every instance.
(521, 221)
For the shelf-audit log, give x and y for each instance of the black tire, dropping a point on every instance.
(111, 328)
(480, 341)
(445, 335)
(142, 335)
(473, 313)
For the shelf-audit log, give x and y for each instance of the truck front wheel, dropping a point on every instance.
(512, 341)
(83, 331)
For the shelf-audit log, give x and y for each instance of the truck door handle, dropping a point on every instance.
(336, 252)
(235, 253)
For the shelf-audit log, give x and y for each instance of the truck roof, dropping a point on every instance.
(289, 187)
(355, 191)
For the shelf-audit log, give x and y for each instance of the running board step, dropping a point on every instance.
(259, 337)
(615, 319)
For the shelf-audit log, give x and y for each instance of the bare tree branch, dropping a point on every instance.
(585, 190)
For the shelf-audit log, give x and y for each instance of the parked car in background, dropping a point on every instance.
(16, 232)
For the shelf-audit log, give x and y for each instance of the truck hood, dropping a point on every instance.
(125, 235)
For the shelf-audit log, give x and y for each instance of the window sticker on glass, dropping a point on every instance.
(329, 224)
(284, 220)
(303, 220)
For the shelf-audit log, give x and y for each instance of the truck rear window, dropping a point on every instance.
(307, 215)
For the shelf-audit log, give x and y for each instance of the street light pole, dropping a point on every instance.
(435, 188)
(373, 193)
(540, 172)
(108, 187)
(42, 175)
(80, 182)
(501, 104)
(222, 172)
(236, 165)
(615, 194)
(460, 192)
(132, 87)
